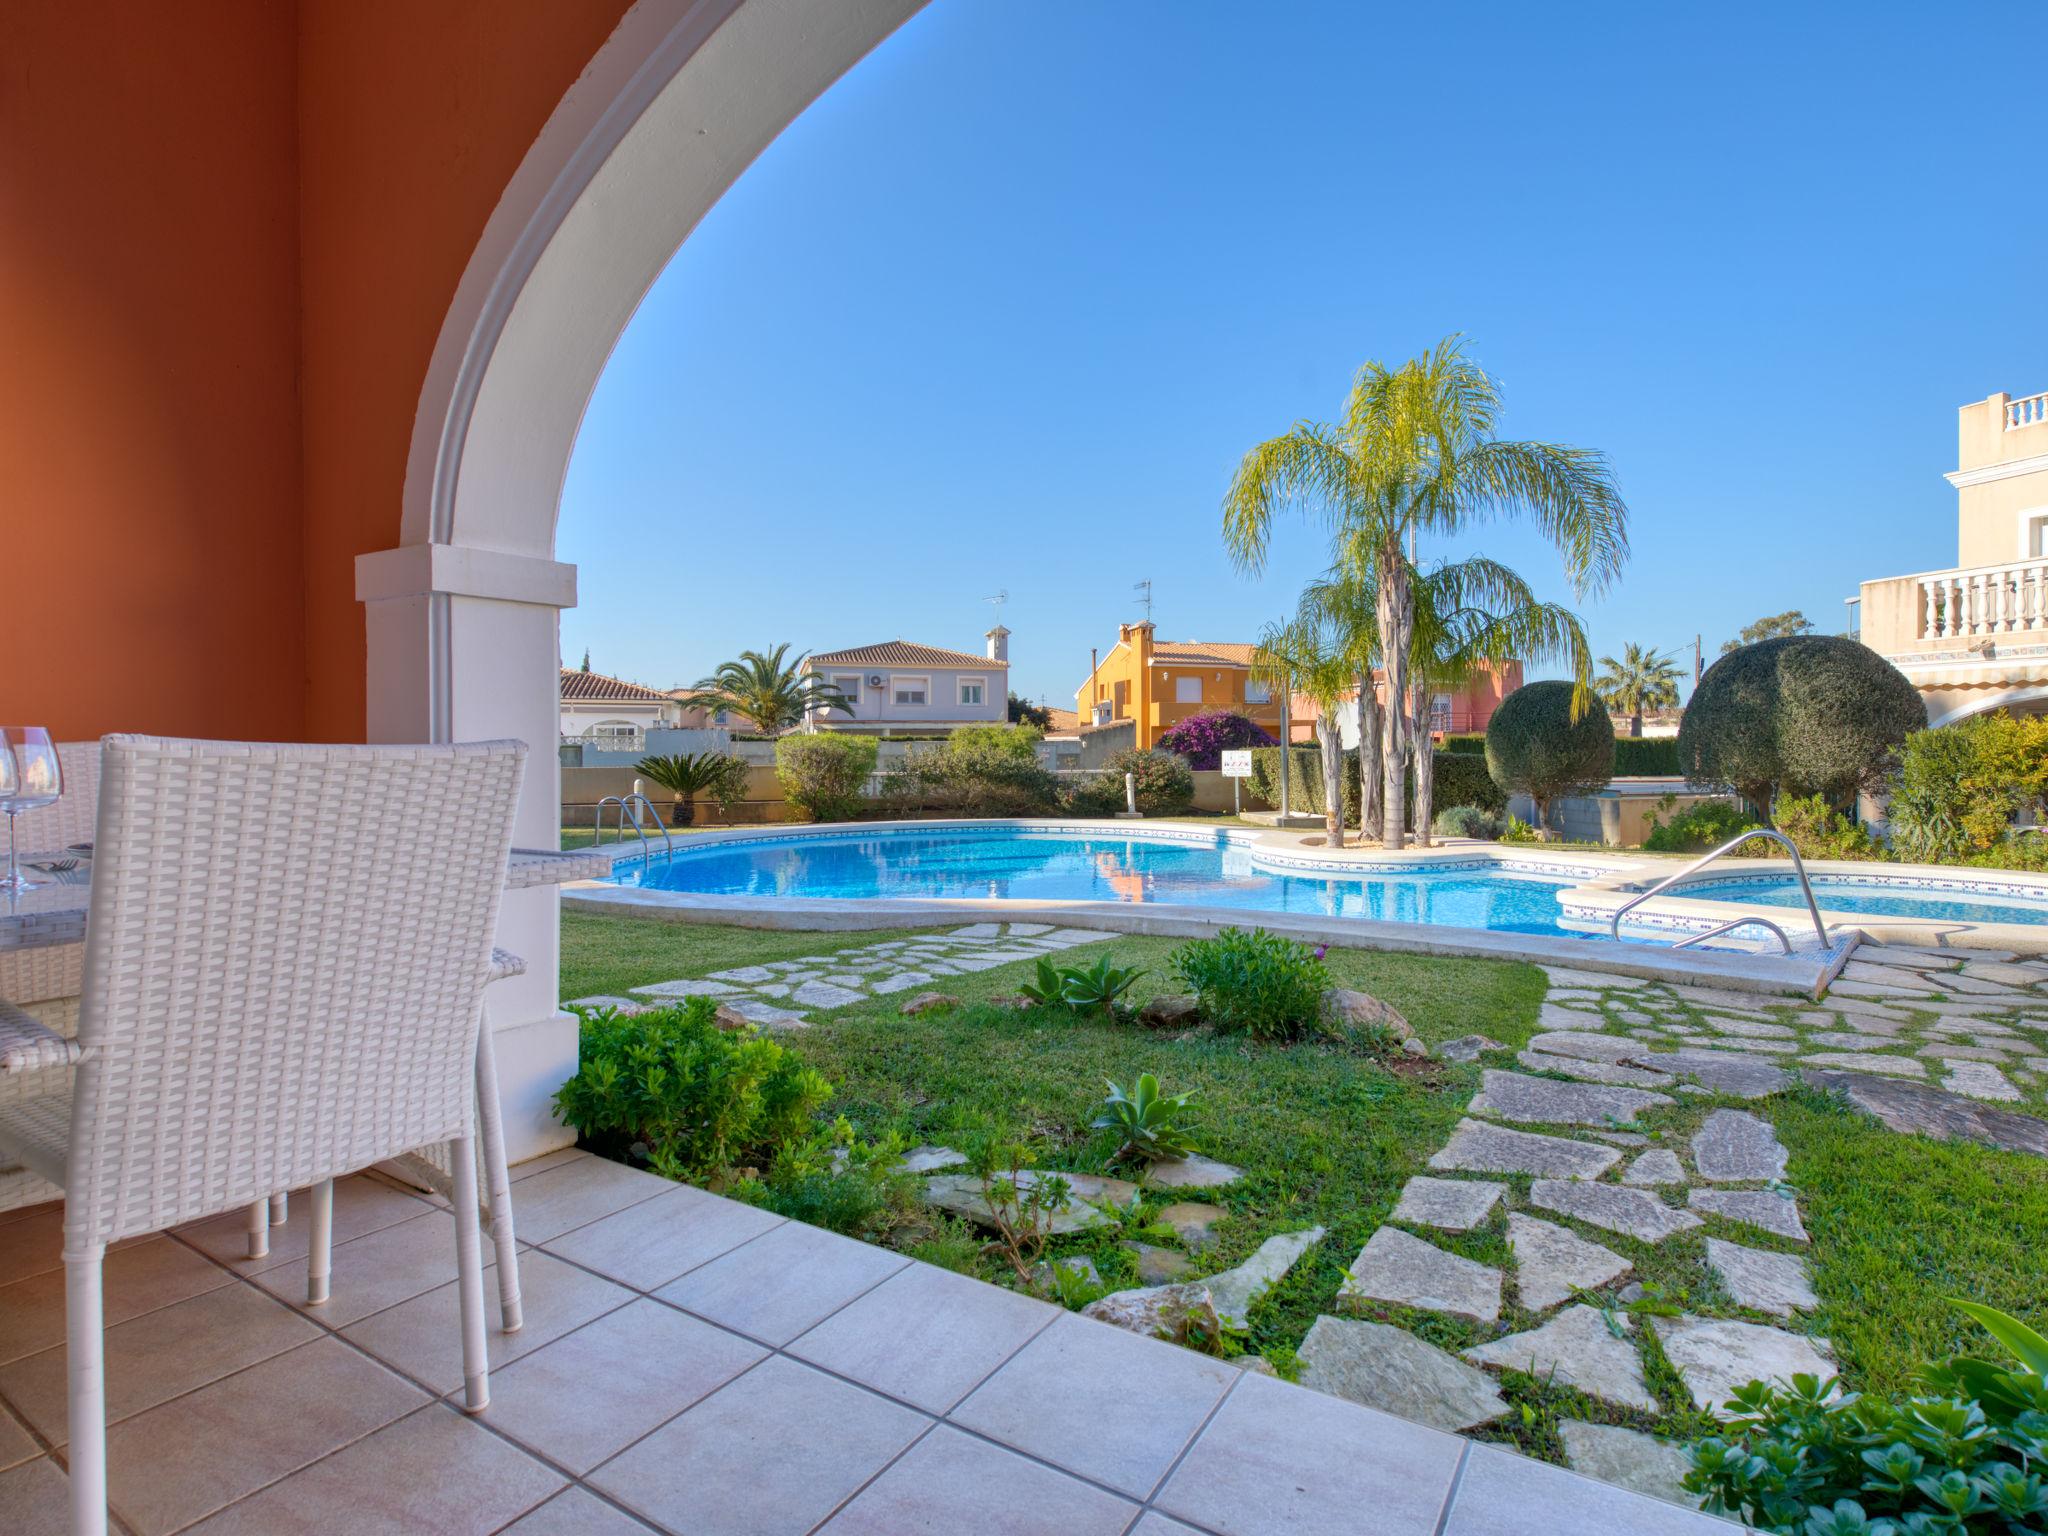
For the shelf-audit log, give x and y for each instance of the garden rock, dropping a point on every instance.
(1732, 1147)
(1551, 1263)
(1629, 1459)
(1160, 1266)
(1761, 1208)
(1169, 1312)
(1394, 1266)
(1192, 1222)
(1235, 1290)
(1761, 1281)
(1542, 1101)
(1631, 1212)
(1659, 1165)
(1912, 1108)
(1480, 1148)
(1593, 1071)
(1467, 1048)
(926, 1002)
(962, 1194)
(930, 1159)
(1576, 1349)
(1345, 1007)
(1170, 1012)
(1454, 1205)
(1192, 1172)
(1715, 1357)
(1380, 1366)
(1867, 1061)
(1014, 1002)
(1723, 1071)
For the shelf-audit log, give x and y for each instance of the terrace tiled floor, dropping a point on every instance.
(693, 1366)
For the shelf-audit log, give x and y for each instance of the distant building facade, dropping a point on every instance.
(1153, 683)
(901, 688)
(602, 709)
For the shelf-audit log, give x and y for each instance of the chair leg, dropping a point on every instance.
(490, 1116)
(85, 1342)
(280, 1208)
(320, 1253)
(469, 1266)
(259, 1229)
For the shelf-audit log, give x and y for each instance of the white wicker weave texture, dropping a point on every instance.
(287, 956)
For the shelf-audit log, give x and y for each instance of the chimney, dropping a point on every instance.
(999, 644)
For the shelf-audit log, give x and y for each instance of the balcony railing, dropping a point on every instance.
(2031, 411)
(1984, 600)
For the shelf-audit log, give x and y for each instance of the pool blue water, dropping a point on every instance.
(1067, 868)
(1874, 898)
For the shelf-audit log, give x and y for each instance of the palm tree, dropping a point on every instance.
(1416, 452)
(1346, 599)
(1311, 653)
(1642, 679)
(686, 775)
(764, 689)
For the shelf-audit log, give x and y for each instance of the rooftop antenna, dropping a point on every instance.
(998, 600)
(1144, 591)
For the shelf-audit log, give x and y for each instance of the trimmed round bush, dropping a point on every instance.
(1534, 746)
(1802, 715)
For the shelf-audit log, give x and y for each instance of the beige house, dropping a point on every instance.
(611, 712)
(1975, 637)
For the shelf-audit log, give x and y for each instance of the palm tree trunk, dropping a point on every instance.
(1635, 723)
(1368, 756)
(1286, 746)
(1332, 742)
(1395, 609)
(1425, 768)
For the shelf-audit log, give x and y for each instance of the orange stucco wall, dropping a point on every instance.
(229, 230)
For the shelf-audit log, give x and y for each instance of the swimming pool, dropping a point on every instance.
(1955, 901)
(1022, 865)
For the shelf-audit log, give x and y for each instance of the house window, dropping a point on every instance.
(973, 690)
(1187, 690)
(912, 690)
(850, 686)
(2034, 536)
(1440, 713)
(1258, 693)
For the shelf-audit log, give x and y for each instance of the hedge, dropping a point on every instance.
(1461, 779)
(1645, 757)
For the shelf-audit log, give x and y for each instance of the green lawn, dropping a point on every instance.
(1327, 1135)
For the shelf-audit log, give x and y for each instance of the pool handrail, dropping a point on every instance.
(631, 803)
(1798, 869)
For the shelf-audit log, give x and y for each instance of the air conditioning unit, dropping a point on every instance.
(875, 681)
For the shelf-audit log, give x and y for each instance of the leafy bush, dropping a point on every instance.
(718, 776)
(1165, 786)
(982, 770)
(1954, 1459)
(825, 775)
(1467, 821)
(837, 1181)
(1707, 824)
(1802, 715)
(1462, 779)
(1465, 743)
(1819, 831)
(1646, 757)
(1959, 788)
(1516, 830)
(1097, 988)
(1202, 739)
(1535, 747)
(1148, 1124)
(1266, 986)
(669, 1085)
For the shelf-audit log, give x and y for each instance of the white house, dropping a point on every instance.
(600, 709)
(898, 687)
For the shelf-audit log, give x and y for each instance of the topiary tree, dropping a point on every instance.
(1203, 739)
(1536, 747)
(1800, 715)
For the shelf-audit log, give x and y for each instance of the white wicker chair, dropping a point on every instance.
(284, 973)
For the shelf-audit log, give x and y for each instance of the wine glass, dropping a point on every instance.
(30, 777)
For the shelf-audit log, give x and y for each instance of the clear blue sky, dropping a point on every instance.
(1006, 306)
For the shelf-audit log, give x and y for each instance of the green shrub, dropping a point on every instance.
(1819, 831)
(1259, 983)
(1708, 824)
(1465, 744)
(1958, 789)
(1462, 779)
(669, 1085)
(1646, 757)
(1165, 787)
(718, 776)
(1516, 830)
(1467, 821)
(982, 770)
(837, 1181)
(1956, 1458)
(1149, 1125)
(1535, 747)
(1801, 715)
(1097, 988)
(825, 775)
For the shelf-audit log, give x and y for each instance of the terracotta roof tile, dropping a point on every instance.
(1221, 653)
(901, 653)
(595, 687)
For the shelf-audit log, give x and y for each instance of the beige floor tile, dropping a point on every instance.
(925, 1335)
(558, 1200)
(1503, 1494)
(361, 1205)
(380, 1270)
(589, 1395)
(16, 1443)
(650, 1244)
(545, 1161)
(770, 1454)
(135, 1279)
(1278, 1459)
(432, 1471)
(952, 1482)
(1066, 1398)
(34, 1244)
(185, 1459)
(35, 1500)
(577, 1512)
(23, 1212)
(423, 1337)
(784, 1281)
(160, 1355)
(1156, 1524)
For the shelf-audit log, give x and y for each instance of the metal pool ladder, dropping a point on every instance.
(629, 805)
(1798, 868)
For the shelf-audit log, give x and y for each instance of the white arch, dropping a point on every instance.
(462, 619)
(2022, 695)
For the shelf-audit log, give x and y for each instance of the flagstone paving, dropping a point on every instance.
(1577, 1348)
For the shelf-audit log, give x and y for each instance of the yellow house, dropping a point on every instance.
(1152, 683)
(1975, 636)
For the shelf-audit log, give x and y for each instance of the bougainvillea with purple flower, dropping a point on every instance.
(1203, 739)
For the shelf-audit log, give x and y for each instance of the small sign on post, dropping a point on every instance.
(1237, 767)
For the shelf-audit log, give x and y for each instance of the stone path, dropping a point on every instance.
(783, 993)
